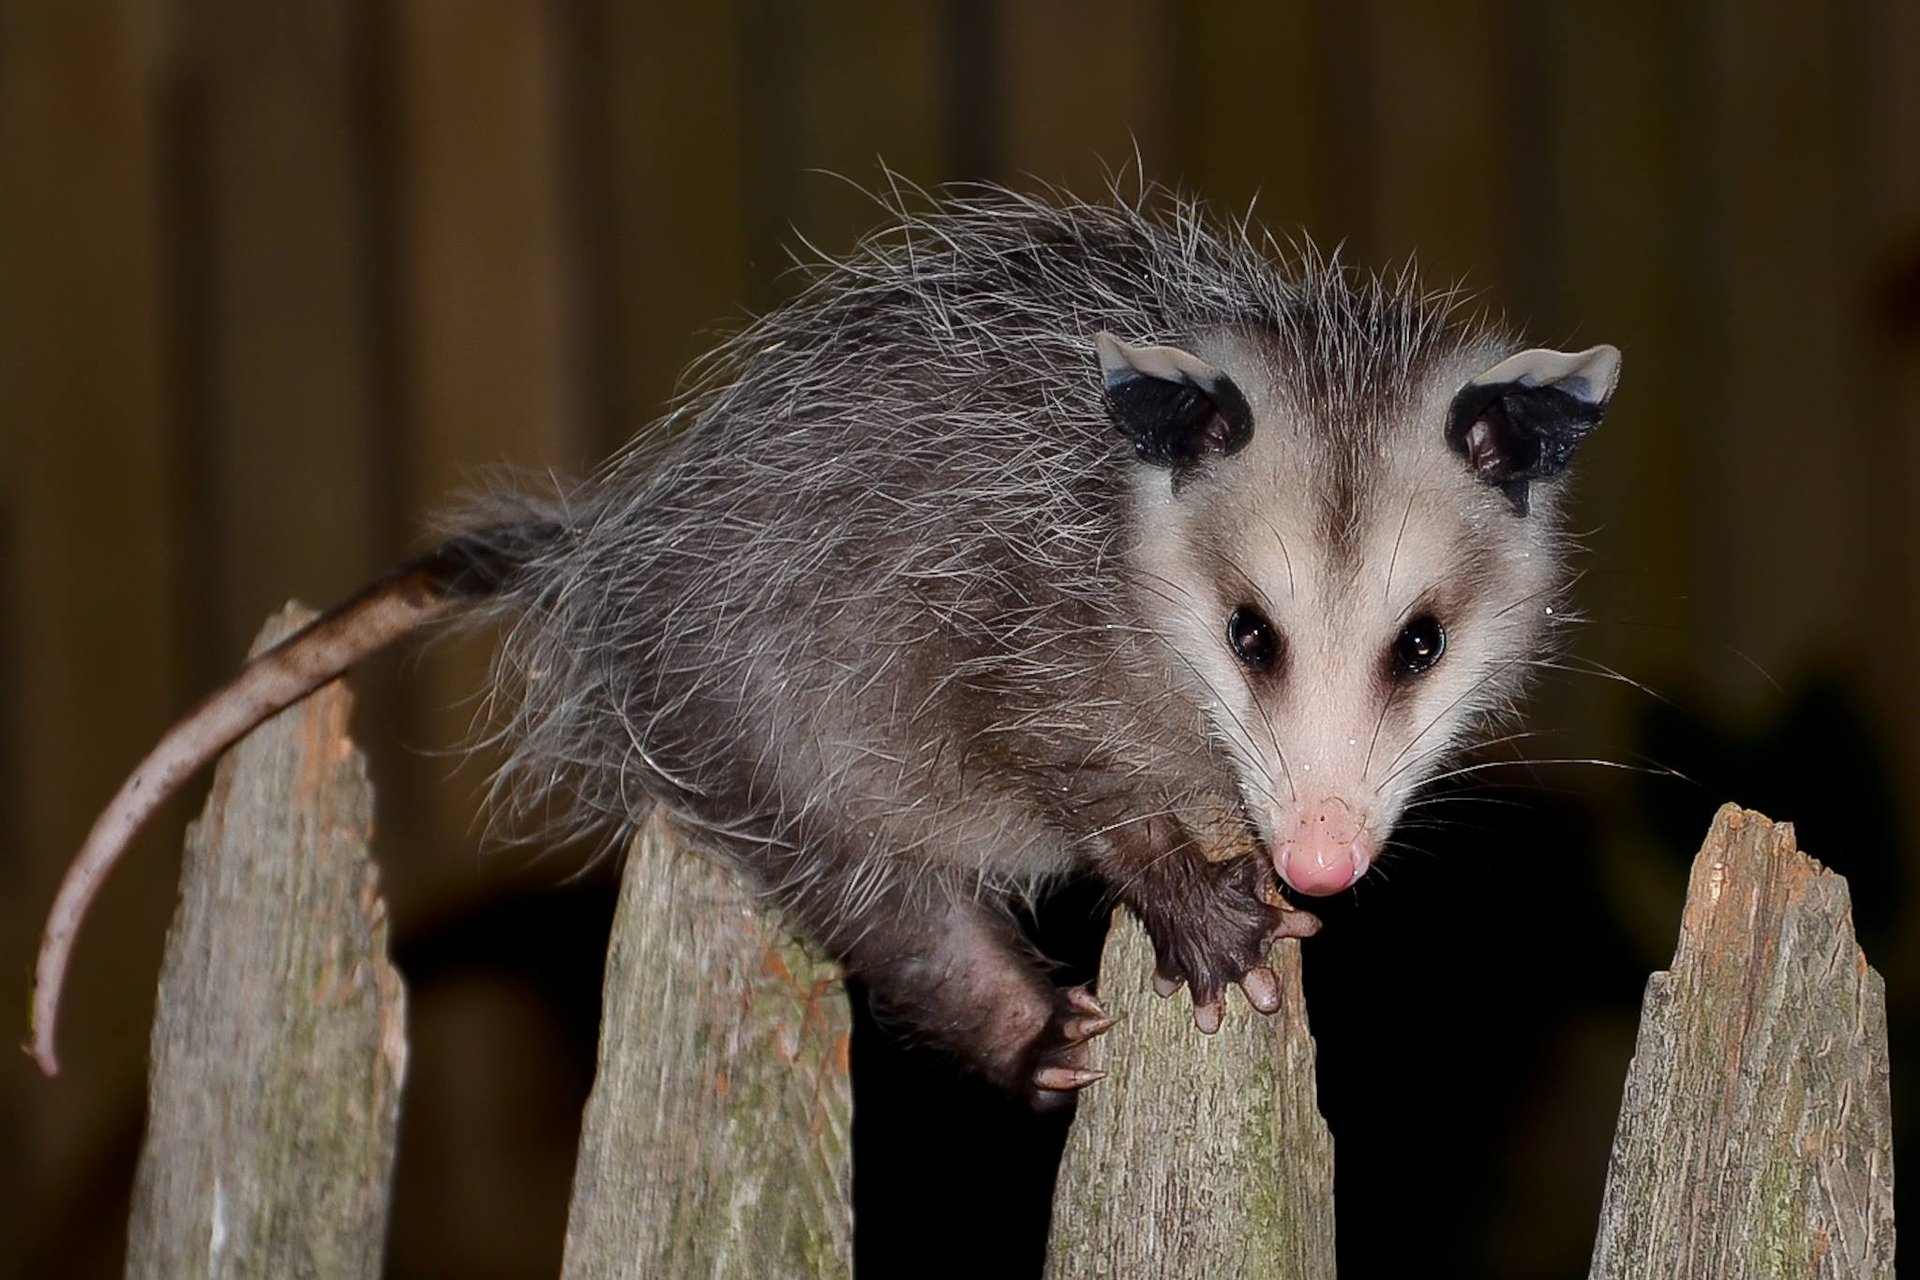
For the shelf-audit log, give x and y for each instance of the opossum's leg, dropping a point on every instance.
(1212, 923)
(958, 973)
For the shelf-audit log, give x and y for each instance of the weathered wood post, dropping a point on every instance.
(1201, 1156)
(1755, 1137)
(717, 1138)
(279, 1044)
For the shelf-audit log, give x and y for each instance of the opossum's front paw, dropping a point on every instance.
(1060, 1067)
(1221, 938)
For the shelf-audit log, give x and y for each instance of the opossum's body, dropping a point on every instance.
(902, 624)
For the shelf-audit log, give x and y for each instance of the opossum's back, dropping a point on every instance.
(803, 604)
(896, 524)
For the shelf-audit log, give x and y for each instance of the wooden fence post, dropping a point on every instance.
(279, 1043)
(1200, 1156)
(1755, 1137)
(717, 1138)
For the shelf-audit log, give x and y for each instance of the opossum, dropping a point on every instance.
(1034, 537)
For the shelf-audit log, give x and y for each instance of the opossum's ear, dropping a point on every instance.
(1175, 406)
(1521, 420)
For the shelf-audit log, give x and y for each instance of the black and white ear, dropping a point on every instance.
(1521, 420)
(1176, 408)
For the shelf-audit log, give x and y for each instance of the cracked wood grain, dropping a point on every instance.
(279, 1042)
(1755, 1136)
(716, 1140)
(1201, 1156)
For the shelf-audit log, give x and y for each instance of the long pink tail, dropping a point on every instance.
(402, 602)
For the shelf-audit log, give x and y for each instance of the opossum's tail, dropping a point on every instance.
(461, 571)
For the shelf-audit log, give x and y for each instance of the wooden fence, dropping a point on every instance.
(275, 277)
(1754, 1136)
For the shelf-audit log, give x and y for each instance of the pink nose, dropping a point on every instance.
(1327, 851)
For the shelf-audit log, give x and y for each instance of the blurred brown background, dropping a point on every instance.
(274, 278)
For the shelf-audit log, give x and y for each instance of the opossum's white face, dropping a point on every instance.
(1350, 598)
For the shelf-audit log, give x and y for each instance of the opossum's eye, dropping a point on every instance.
(1254, 638)
(1418, 646)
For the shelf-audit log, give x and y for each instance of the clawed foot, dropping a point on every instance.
(1060, 1066)
(1226, 944)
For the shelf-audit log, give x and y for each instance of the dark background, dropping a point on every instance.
(274, 278)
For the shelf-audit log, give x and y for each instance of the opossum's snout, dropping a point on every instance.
(1350, 586)
(1327, 848)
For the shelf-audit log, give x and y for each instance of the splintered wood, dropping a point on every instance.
(1755, 1137)
(279, 1043)
(1201, 1156)
(1754, 1141)
(717, 1138)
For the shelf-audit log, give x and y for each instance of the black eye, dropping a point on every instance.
(1418, 646)
(1254, 639)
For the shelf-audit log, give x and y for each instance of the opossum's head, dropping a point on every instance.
(1353, 570)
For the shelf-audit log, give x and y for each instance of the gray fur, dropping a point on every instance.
(892, 614)
(868, 611)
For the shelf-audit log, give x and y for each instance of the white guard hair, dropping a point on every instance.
(1341, 557)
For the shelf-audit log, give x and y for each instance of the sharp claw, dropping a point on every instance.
(1065, 1079)
(1208, 1016)
(1077, 1030)
(1295, 923)
(1262, 988)
(1163, 986)
(1081, 1000)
